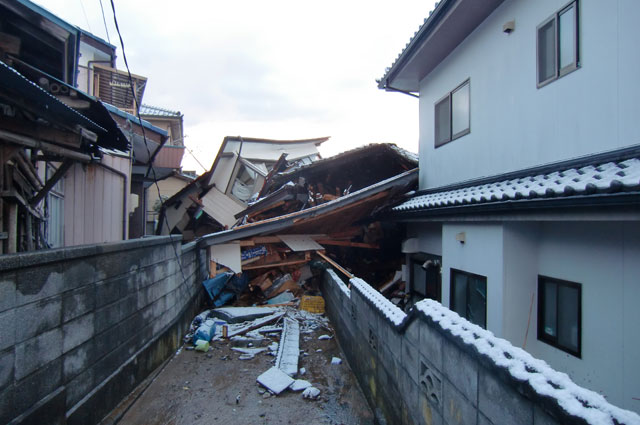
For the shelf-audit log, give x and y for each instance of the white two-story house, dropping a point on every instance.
(527, 221)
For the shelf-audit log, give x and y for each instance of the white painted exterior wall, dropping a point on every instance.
(514, 124)
(88, 53)
(603, 257)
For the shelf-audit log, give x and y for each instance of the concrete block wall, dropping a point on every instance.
(81, 326)
(432, 367)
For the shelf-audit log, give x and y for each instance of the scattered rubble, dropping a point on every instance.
(311, 393)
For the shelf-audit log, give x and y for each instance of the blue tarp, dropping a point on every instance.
(224, 287)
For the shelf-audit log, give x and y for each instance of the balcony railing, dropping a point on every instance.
(113, 86)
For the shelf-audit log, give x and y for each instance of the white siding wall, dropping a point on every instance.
(88, 53)
(429, 237)
(481, 254)
(603, 257)
(516, 125)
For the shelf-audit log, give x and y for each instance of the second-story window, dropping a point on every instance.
(452, 115)
(557, 41)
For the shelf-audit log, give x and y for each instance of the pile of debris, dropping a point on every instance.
(274, 331)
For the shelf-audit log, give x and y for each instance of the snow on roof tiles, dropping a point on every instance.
(158, 112)
(591, 179)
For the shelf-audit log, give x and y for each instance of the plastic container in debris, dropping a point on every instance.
(206, 331)
(312, 304)
(202, 345)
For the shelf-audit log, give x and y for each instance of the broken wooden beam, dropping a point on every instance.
(334, 264)
(348, 243)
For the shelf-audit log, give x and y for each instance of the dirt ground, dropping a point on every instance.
(218, 388)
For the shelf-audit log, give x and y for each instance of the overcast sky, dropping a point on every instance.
(275, 69)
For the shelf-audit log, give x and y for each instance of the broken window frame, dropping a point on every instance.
(257, 182)
(468, 295)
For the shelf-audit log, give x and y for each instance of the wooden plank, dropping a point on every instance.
(334, 264)
(44, 133)
(44, 146)
(12, 229)
(283, 263)
(9, 43)
(60, 172)
(348, 243)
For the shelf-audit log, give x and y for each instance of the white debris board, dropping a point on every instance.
(289, 350)
(275, 380)
(300, 242)
(227, 255)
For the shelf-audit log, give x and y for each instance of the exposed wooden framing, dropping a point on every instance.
(29, 170)
(28, 234)
(337, 211)
(9, 43)
(334, 264)
(48, 147)
(266, 208)
(7, 152)
(348, 243)
(306, 259)
(41, 132)
(60, 172)
(12, 229)
(12, 194)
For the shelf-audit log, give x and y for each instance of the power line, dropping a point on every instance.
(84, 12)
(144, 137)
(105, 22)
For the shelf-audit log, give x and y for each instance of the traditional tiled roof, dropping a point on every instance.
(155, 111)
(594, 179)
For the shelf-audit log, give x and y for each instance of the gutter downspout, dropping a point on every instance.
(125, 212)
(389, 88)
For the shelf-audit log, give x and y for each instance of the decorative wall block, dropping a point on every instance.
(431, 384)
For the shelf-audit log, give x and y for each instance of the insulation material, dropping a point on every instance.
(228, 255)
(301, 243)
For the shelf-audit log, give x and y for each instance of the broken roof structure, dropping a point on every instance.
(238, 173)
(329, 214)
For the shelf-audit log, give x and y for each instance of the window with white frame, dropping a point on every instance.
(559, 314)
(452, 118)
(557, 45)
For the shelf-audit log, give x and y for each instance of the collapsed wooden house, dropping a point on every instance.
(278, 254)
(239, 171)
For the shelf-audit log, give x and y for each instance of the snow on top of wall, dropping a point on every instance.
(386, 307)
(345, 290)
(575, 400)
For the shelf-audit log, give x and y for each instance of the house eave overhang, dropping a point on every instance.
(445, 28)
(610, 206)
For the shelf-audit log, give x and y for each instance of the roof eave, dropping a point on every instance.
(445, 28)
